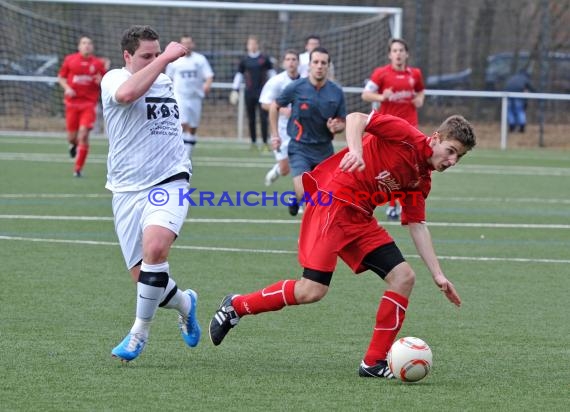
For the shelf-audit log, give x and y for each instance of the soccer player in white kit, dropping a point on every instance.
(192, 76)
(271, 90)
(147, 166)
(312, 41)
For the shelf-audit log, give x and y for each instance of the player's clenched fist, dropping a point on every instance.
(174, 50)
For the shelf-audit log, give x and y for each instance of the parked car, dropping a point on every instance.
(500, 67)
(450, 81)
(31, 65)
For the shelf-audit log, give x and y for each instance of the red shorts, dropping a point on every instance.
(338, 230)
(80, 115)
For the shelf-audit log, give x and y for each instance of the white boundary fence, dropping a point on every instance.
(503, 96)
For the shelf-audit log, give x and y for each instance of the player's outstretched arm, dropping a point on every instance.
(139, 83)
(422, 240)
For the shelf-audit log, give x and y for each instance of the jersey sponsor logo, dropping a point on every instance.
(82, 79)
(304, 106)
(162, 107)
(401, 96)
(189, 74)
(385, 181)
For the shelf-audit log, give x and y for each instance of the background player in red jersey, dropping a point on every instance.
(385, 154)
(398, 89)
(79, 76)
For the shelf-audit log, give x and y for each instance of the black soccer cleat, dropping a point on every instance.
(72, 150)
(294, 209)
(380, 370)
(224, 319)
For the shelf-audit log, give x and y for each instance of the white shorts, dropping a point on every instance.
(190, 110)
(134, 211)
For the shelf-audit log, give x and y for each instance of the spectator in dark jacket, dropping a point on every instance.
(516, 115)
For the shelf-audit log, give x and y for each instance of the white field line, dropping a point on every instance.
(495, 200)
(274, 251)
(58, 138)
(101, 159)
(296, 222)
(232, 162)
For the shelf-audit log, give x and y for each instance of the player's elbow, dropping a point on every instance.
(125, 96)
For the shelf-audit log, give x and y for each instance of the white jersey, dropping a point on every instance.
(304, 64)
(188, 73)
(145, 137)
(271, 91)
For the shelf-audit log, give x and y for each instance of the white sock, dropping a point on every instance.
(189, 147)
(277, 169)
(141, 327)
(179, 301)
(189, 143)
(148, 298)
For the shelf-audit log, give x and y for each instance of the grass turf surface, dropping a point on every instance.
(67, 298)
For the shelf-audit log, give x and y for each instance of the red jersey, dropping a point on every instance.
(405, 84)
(395, 154)
(83, 75)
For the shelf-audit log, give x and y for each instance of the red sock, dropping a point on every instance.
(270, 298)
(389, 319)
(82, 151)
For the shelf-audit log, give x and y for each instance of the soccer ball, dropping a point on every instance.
(410, 359)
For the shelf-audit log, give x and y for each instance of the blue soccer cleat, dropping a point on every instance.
(130, 348)
(189, 326)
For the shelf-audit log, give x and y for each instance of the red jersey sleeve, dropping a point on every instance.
(377, 77)
(419, 80)
(389, 127)
(101, 66)
(64, 69)
(414, 204)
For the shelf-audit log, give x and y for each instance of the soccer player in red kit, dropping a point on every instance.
(385, 156)
(79, 76)
(398, 89)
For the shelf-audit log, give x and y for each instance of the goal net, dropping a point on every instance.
(36, 35)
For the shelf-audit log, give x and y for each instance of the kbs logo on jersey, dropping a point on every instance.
(161, 107)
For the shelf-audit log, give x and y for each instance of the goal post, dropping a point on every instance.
(36, 35)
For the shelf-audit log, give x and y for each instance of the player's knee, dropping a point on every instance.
(155, 251)
(408, 278)
(403, 279)
(313, 286)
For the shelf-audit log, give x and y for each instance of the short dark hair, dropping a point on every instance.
(133, 36)
(319, 50)
(396, 40)
(456, 127)
(311, 37)
(291, 51)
